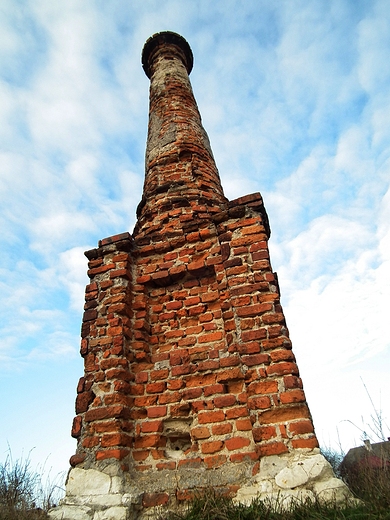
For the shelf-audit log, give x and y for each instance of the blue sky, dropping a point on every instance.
(295, 98)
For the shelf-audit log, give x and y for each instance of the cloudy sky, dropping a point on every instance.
(295, 97)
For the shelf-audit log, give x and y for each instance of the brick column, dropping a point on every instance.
(179, 164)
(102, 426)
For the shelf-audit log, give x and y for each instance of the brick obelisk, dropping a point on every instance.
(190, 380)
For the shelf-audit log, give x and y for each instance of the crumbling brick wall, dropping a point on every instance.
(189, 376)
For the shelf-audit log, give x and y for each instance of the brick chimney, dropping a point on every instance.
(180, 167)
(189, 380)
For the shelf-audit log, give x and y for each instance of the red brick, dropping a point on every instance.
(212, 336)
(148, 400)
(236, 270)
(264, 433)
(249, 348)
(283, 368)
(292, 396)
(224, 400)
(243, 424)
(292, 382)
(237, 443)
(172, 334)
(235, 413)
(193, 330)
(108, 412)
(152, 427)
(259, 403)
(305, 443)
(76, 427)
(275, 317)
(300, 427)
(190, 463)
(142, 377)
(255, 359)
(188, 341)
(120, 273)
(166, 465)
(140, 455)
(171, 397)
(212, 446)
(210, 296)
(175, 384)
(99, 270)
(281, 355)
(175, 358)
(244, 456)
(262, 387)
(260, 255)
(200, 380)
(213, 389)
(202, 432)
(116, 398)
(274, 448)
(205, 417)
(254, 310)
(112, 426)
(166, 316)
(174, 305)
(112, 454)
(215, 461)
(188, 302)
(90, 442)
(91, 287)
(222, 428)
(285, 414)
(148, 441)
(194, 311)
(192, 393)
(76, 459)
(181, 370)
(229, 361)
(156, 411)
(210, 364)
(156, 375)
(248, 239)
(154, 388)
(118, 373)
(89, 363)
(136, 389)
(83, 400)
(116, 439)
(230, 374)
(154, 499)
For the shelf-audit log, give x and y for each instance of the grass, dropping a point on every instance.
(370, 485)
(214, 507)
(24, 494)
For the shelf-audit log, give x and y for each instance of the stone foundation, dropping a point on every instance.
(281, 480)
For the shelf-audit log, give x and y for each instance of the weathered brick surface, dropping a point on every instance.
(188, 361)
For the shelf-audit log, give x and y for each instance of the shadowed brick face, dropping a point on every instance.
(188, 361)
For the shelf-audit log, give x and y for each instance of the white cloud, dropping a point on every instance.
(72, 275)
(294, 97)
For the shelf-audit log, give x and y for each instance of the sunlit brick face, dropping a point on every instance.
(188, 361)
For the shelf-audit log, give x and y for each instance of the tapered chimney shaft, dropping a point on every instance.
(180, 167)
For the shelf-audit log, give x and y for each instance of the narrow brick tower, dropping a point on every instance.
(190, 381)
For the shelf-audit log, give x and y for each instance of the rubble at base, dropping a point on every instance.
(282, 480)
